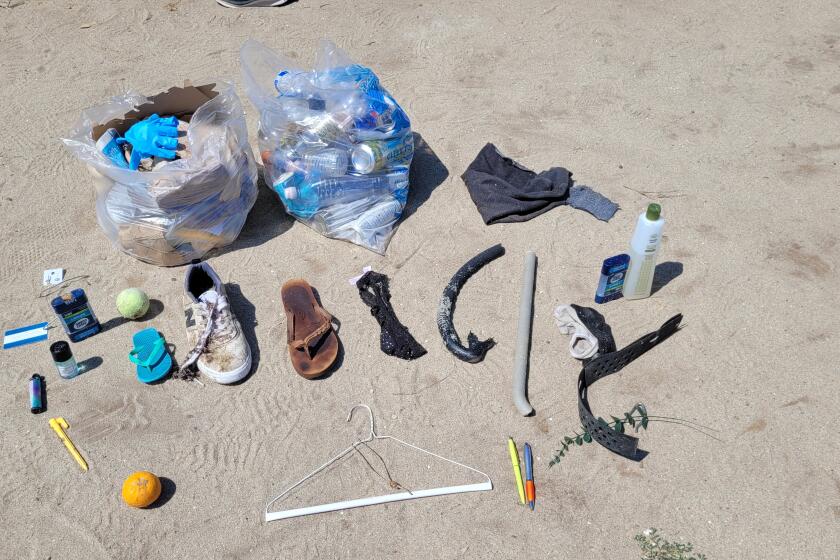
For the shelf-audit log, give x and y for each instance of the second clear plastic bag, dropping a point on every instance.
(336, 146)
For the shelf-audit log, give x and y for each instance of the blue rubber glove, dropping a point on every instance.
(153, 136)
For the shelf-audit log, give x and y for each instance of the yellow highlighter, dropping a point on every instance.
(59, 425)
(517, 472)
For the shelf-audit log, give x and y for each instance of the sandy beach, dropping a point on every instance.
(725, 113)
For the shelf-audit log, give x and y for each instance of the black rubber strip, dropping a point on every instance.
(476, 349)
(607, 364)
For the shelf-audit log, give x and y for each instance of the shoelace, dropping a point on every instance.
(216, 320)
(219, 316)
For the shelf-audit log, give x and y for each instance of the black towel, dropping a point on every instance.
(504, 191)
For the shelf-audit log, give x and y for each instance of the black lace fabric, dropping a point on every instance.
(394, 340)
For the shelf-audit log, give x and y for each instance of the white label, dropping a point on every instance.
(53, 276)
(68, 369)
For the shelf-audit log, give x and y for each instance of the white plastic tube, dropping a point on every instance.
(387, 498)
(523, 337)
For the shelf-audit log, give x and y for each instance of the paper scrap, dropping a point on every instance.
(53, 276)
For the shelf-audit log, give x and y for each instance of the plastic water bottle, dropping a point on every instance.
(292, 83)
(285, 183)
(330, 162)
(348, 102)
(324, 128)
(381, 215)
(333, 190)
(643, 248)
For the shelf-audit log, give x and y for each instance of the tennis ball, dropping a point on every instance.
(132, 303)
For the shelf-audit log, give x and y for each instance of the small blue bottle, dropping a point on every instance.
(75, 315)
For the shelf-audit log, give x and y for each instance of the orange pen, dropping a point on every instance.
(530, 489)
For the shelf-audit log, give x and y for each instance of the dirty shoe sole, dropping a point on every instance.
(227, 377)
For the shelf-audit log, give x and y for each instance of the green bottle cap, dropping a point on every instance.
(653, 212)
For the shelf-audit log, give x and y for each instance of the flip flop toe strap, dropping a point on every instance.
(155, 353)
(323, 328)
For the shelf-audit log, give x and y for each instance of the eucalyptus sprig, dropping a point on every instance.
(637, 418)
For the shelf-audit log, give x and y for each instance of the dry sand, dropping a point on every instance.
(725, 113)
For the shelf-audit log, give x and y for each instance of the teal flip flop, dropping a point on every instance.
(150, 355)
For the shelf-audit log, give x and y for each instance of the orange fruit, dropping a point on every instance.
(141, 489)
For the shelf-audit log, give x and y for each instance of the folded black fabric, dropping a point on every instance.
(504, 191)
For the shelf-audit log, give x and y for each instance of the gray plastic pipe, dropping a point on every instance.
(523, 336)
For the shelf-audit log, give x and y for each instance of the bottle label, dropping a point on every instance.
(78, 320)
(68, 369)
(614, 282)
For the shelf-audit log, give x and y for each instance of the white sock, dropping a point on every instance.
(583, 343)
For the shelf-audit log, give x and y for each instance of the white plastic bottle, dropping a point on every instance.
(643, 248)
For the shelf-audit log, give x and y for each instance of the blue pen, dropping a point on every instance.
(530, 489)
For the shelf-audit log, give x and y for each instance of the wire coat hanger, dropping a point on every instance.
(373, 500)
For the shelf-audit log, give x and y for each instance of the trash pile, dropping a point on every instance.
(174, 173)
(176, 177)
(336, 146)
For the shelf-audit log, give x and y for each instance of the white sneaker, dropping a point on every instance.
(219, 348)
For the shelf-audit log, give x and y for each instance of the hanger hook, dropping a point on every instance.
(370, 414)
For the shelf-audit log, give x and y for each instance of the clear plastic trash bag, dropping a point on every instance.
(336, 146)
(183, 208)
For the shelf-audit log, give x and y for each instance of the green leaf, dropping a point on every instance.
(629, 418)
(644, 422)
(641, 408)
(619, 426)
(579, 440)
(587, 437)
(567, 440)
(615, 419)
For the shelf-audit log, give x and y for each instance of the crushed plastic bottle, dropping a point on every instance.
(383, 214)
(362, 219)
(305, 199)
(349, 102)
(325, 129)
(293, 83)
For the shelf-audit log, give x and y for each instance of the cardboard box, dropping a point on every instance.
(154, 242)
(179, 101)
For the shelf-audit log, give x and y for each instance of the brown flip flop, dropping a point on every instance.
(313, 345)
